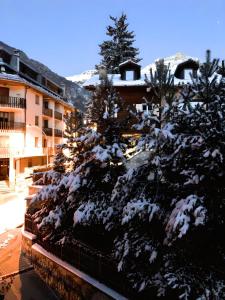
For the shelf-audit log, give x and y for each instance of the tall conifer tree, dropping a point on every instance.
(120, 47)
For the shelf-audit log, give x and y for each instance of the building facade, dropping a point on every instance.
(131, 84)
(31, 116)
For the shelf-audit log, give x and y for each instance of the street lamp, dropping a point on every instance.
(35, 126)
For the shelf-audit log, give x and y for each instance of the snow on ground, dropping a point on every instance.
(12, 212)
(4, 243)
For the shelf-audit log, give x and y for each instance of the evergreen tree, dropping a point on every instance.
(73, 122)
(120, 47)
(59, 160)
(172, 222)
(84, 193)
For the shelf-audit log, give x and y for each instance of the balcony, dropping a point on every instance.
(47, 131)
(58, 115)
(14, 102)
(47, 112)
(58, 133)
(15, 126)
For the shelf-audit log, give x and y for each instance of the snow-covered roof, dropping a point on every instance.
(17, 78)
(127, 62)
(173, 61)
(116, 80)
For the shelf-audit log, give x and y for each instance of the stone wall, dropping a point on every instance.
(69, 282)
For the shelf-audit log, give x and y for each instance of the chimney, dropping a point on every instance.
(2, 67)
(16, 60)
(63, 87)
(102, 72)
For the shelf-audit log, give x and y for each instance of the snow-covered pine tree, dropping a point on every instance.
(81, 197)
(73, 124)
(169, 226)
(120, 47)
(59, 160)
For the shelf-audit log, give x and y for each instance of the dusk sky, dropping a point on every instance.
(64, 34)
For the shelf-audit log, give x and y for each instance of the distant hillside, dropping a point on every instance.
(75, 94)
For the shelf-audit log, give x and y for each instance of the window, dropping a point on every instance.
(45, 104)
(36, 142)
(44, 143)
(144, 107)
(37, 99)
(36, 121)
(45, 123)
(187, 74)
(129, 75)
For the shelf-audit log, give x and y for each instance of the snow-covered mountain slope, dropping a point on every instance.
(81, 78)
(172, 60)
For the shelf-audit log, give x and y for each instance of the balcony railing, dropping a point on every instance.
(8, 101)
(11, 126)
(7, 152)
(47, 131)
(58, 115)
(47, 112)
(58, 133)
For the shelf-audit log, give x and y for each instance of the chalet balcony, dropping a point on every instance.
(58, 133)
(14, 102)
(47, 112)
(58, 115)
(15, 126)
(47, 131)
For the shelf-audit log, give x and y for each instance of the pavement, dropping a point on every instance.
(26, 284)
(12, 210)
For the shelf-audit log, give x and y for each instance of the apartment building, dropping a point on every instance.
(31, 116)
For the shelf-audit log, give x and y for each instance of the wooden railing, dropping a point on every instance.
(47, 131)
(82, 256)
(58, 132)
(58, 115)
(47, 112)
(11, 125)
(8, 101)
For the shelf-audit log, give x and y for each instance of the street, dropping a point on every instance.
(26, 285)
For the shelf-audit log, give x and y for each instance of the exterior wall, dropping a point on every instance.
(18, 145)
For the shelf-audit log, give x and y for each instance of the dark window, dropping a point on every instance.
(144, 107)
(6, 116)
(37, 100)
(4, 91)
(36, 121)
(45, 104)
(44, 143)
(45, 123)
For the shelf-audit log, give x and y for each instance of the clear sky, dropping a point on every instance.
(64, 34)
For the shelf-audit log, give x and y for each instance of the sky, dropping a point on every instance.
(65, 34)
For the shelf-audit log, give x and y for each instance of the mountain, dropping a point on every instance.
(172, 60)
(75, 94)
(81, 78)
